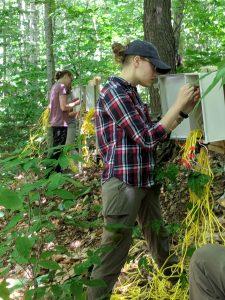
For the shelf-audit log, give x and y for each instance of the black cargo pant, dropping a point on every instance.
(59, 139)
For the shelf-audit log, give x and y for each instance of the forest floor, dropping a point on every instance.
(86, 235)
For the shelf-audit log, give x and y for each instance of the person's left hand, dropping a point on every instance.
(190, 105)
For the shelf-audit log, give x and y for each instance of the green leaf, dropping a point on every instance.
(183, 280)
(95, 282)
(143, 263)
(172, 172)
(68, 204)
(34, 196)
(64, 194)
(57, 290)
(172, 228)
(29, 295)
(4, 271)
(39, 292)
(61, 249)
(4, 291)
(155, 225)
(56, 180)
(77, 157)
(197, 182)
(24, 246)
(169, 173)
(63, 161)
(31, 163)
(10, 199)
(12, 223)
(191, 250)
(33, 260)
(13, 163)
(220, 75)
(76, 183)
(76, 289)
(82, 267)
(47, 254)
(137, 233)
(26, 188)
(50, 238)
(49, 264)
(3, 250)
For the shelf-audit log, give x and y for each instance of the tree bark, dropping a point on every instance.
(178, 15)
(21, 30)
(49, 43)
(4, 47)
(158, 30)
(34, 35)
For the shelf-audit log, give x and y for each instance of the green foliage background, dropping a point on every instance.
(83, 34)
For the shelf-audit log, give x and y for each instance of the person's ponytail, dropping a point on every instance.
(60, 74)
(119, 52)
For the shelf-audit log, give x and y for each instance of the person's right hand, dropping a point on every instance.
(75, 102)
(75, 99)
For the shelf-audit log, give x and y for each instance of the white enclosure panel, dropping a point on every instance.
(169, 86)
(195, 117)
(213, 107)
(181, 131)
(90, 97)
(77, 93)
(209, 114)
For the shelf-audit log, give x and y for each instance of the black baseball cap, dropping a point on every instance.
(148, 50)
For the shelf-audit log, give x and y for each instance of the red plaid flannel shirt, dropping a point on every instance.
(126, 136)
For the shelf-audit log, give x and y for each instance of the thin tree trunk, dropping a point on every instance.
(4, 47)
(158, 30)
(49, 43)
(34, 20)
(21, 26)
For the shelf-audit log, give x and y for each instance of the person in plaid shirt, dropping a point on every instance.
(127, 139)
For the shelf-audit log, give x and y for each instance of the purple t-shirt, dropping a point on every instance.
(57, 116)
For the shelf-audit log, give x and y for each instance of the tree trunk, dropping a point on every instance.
(49, 43)
(34, 34)
(158, 30)
(4, 47)
(178, 15)
(21, 26)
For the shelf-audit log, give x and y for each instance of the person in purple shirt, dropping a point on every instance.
(60, 111)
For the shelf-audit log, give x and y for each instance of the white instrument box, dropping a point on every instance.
(208, 115)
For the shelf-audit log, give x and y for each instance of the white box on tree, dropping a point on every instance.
(90, 96)
(208, 115)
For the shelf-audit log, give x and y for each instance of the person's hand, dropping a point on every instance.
(75, 99)
(75, 102)
(191, 104)
(185, 94)
(187, 98)
(197, 94)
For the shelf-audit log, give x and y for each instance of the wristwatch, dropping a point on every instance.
(183, 115)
